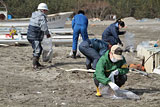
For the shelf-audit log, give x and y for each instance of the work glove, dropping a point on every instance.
(113, 86)
(48, 36)
(115, 72)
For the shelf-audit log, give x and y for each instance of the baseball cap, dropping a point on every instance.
(116, 50)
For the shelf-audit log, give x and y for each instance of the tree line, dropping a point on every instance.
(93, 8)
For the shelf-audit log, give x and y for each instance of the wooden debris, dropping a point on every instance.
(76, 69)
(4, 45)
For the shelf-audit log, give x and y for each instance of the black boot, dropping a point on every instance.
(35, 62)
(74, 54)
(38, 64)
(88, 66)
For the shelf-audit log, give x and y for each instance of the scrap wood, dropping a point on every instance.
(76, 69)
(5, 45)
(86, 70)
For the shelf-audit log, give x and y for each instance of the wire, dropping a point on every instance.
(150, 56)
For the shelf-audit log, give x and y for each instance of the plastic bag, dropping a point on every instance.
(47, 53)
(78, 54)
(129, 42)
(107, 92)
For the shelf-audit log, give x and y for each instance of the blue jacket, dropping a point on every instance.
(99, 45)
(80, 19)
(111, 34)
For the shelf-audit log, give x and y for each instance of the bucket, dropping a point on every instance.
(9, 17)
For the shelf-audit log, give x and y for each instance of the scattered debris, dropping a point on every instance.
(138, 71)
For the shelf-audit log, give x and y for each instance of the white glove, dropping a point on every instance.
(113, 86)
(115, 72)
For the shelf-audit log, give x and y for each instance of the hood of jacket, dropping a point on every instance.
(37, 14)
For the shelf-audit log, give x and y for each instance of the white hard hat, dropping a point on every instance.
(42, 6)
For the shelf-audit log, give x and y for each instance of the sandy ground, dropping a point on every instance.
(21, 86)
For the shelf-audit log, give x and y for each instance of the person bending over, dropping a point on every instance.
(93, 49)
(79, 26)
(111, 33)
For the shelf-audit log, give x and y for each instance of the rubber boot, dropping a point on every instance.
(38, 64)
(98, 94)
(74, 54)
(35, 62)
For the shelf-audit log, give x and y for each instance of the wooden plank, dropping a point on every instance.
(4, 45)
(53, 31)
(61, 30)
(76, 69)
(62, 37)
(14, 41)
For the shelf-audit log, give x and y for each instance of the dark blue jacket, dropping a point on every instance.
(35, 33)
(99, 45)
(111, 34)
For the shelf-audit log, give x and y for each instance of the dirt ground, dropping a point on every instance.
(21, 86)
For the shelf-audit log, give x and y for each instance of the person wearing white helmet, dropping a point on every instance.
(36, 30)
(42, 6)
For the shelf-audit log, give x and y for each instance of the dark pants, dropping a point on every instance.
(110, 39)
(119, 80)
(37, 48)
(92, 56)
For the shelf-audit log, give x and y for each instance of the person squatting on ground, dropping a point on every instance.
(111, 33)
(79, 26)
(111, 69)
(36, 30)
(93, 49)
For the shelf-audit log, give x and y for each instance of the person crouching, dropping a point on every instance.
(111, 69)
(93, 49)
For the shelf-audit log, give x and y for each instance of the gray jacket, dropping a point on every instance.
(38, 26)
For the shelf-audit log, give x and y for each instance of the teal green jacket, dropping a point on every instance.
(104, 67)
